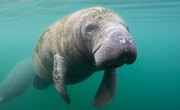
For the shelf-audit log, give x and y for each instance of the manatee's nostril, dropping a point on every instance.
(130, 40)
(122, 40)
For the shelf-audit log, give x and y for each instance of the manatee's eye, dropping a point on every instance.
(91, 28)
(89, 31)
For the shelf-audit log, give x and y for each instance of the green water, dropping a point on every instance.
(151, 83)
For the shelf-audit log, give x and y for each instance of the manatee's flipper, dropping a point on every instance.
(40, 83)
(107, 88)
(59, 77)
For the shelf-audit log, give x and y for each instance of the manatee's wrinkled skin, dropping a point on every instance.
(17, 81)
(73, 48)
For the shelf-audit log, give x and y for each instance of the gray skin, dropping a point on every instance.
(73, 48)
(17, 81)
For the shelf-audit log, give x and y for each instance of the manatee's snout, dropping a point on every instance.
(118, 48)
(129, 52)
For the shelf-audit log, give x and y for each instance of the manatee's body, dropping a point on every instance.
(75, 47)
(17, 81)
(58, 39)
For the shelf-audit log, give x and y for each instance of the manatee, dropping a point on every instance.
(17, 81)
(80, 44)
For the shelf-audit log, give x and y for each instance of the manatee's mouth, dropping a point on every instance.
(114, 66)
(125, 59)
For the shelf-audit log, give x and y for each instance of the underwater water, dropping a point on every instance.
(151, 83)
